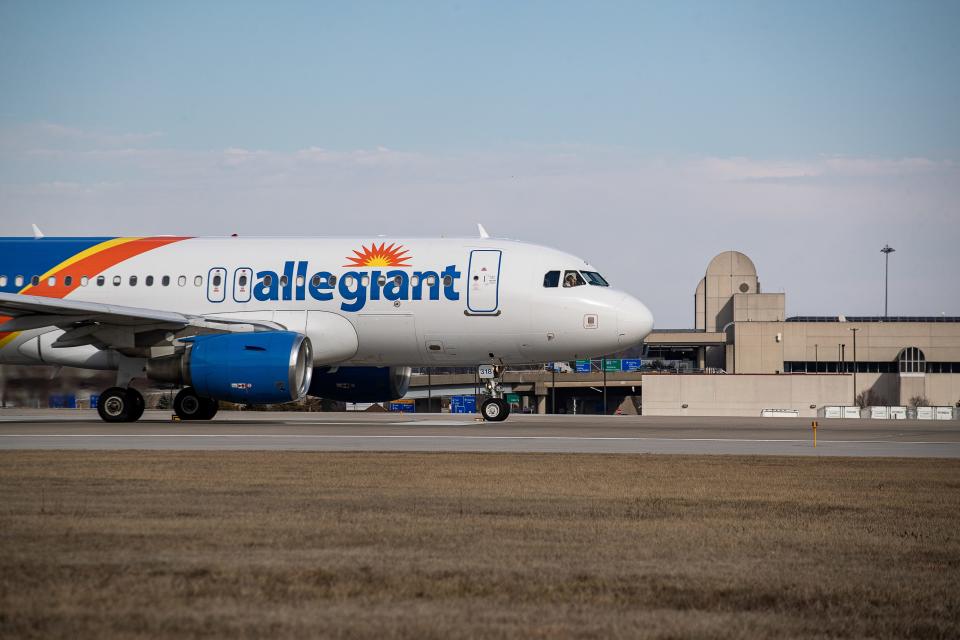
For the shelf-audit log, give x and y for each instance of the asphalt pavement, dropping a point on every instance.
(82, 429)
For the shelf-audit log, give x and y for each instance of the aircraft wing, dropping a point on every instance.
(87, 319)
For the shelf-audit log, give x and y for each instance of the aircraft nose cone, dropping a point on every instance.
(634, 322)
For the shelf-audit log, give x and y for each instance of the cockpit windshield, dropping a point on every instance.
(572, 279)
(595, 279)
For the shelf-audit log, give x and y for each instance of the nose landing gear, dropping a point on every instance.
(494, 408)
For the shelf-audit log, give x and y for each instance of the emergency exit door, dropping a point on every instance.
(483, 284)
(216, 284)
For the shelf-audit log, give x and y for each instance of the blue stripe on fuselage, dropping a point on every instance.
(30, 257)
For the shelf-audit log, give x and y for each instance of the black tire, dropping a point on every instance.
(137, 405)
(210, 408)
(494, 410)
(114, 405)
(188, 405)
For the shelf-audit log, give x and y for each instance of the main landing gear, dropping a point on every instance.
(189, 406)
(117, 404)
(494, 408)
(120, 405)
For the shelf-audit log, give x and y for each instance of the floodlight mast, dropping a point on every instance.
(886, 251)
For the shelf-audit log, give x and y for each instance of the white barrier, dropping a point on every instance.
(780, 413)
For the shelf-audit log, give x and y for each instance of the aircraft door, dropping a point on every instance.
(217, 284)
(242, 284)
(483, 284)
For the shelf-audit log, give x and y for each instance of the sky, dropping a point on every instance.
(644, 137)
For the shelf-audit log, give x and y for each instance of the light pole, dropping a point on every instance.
(886, 251)
(854, 329)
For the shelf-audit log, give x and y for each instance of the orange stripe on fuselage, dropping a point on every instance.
(92, 262)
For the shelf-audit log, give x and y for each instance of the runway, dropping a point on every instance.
(78, 429)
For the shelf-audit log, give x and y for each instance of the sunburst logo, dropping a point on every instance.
(392, 255)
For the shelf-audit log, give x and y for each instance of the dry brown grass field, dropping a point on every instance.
(260, 544)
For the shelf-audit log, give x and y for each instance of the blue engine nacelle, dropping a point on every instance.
(360, 384)
(266, 367)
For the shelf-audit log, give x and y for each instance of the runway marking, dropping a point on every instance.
(452, 437)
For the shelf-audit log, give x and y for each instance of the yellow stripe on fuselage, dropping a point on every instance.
(97, 248)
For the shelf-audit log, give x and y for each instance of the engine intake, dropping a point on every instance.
(266, 367)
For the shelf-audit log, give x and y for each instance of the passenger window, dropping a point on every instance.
(148, 281)
(68, 281)
(284, 280)
(35, 280)
(243, 280)
(198, 281)
(133, 281)
(365, 281)
(217, 280)
(117, 280)
(3, 281)
(595, 279)
(52, 281)
(551, 279)
(268, 281)
(447, 281)
(299, 281)
(572, 279)
(333, 279)
(18, 281)
(382, 280)
(165, 281)
(349, 280)
(398, 280)
(84, 281)
(182, 281)
(414, 281)
(101, 281)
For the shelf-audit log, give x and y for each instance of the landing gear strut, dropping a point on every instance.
(120, 405)
(494, 408)
(189, 406)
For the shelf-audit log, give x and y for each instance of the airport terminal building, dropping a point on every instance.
(744, 354)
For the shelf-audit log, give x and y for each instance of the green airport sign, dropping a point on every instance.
(612, 365)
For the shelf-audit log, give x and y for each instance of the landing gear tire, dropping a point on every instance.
(494, 410)
(120, 405)
(137, 405)
(189, 406)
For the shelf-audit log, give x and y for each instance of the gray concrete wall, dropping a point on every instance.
(742, 395)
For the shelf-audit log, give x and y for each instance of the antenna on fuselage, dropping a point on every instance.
(37, 234)
(483, 232)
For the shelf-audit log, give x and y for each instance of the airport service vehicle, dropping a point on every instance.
(271, 320)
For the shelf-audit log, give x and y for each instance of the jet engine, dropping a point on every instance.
(360, 384)
(251, 368)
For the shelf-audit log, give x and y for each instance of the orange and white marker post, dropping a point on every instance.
(813, 425)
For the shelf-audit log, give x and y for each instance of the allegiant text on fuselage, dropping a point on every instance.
(355, 287)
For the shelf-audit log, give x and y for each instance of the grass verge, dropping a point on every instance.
(406, 545)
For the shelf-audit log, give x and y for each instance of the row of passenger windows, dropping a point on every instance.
(574, 279)
(217, 280)
(68, 281)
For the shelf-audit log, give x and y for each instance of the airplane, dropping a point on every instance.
(268, 320)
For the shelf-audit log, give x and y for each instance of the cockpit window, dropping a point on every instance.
(572, 279)
(595, 279)
(551, 279)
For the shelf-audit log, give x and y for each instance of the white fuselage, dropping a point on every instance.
(447, 302)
